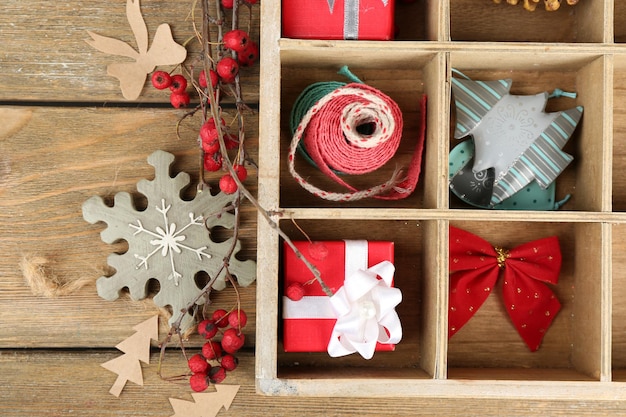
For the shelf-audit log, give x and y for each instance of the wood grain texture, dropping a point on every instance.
(57, 383)
(66, 134)
(53, 159)
(45, 57)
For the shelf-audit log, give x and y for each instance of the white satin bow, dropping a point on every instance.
(365, 311)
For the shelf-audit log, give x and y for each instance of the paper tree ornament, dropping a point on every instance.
(136, 348)
(206, 404)
(476, 188)
(512, 134)
(132, 75)
(169, 241)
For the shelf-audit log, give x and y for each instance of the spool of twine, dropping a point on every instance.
(351, 129)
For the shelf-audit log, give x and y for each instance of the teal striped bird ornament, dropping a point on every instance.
(513, 135)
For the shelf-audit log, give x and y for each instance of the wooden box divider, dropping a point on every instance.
(579, 49)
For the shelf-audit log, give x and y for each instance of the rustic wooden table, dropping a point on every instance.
(66, 134)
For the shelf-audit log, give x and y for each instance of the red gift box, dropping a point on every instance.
(338, 19)
(308, 323)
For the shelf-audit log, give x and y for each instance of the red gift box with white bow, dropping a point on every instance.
(338, 19)
(360, 317)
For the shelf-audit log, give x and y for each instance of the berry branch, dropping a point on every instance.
(220, 63)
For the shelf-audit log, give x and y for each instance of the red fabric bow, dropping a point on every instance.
(474, 269)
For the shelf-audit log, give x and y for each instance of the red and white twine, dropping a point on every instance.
(330, 136)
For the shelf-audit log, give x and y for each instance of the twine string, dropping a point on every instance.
(351, 129)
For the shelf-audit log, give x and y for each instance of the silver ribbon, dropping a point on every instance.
(350, 17)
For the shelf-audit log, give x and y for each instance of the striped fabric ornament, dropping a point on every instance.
(513, 134)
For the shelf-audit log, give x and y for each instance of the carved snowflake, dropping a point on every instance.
(169, 241)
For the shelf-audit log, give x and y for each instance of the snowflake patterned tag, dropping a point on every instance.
(169, 241)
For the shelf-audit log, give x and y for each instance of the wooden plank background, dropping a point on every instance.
(67, 134)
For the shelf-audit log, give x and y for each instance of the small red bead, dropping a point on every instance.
(232, 340)
(295, 291)
(221, 318)
(199, 382)
(207, 329)
(211, 350)
(227, 184)
(179, 100)
(229, 362)
(179, 83)
(237, 319)
(228, 4)
(161, 80)
(217, 374)
(198, 364)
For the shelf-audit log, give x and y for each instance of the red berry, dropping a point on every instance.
(249, 55)
(207, 329)
(212, 163)
(232, 340)
(199, 382)
(161, 80)
(197, 364)
(211, 122)
(241, 171)
(211, 350)
(236, 39)
(217, 374)
(228, 184)
(179, 84)
(228, 4)
(220, 317)
(229, 362)
(237, 319)
(227, 69)
(202, 79)
(179, 100)
(231, 142)
(211, 147)
(251, 1)
(208, 132)
(212, 75)
(295, 291)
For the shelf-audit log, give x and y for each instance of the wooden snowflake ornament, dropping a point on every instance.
(169, 241)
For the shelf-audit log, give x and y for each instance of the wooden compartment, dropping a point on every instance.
(414, 74)
(484, 21)
(533, 72)
(488, 346)
(412, 276)
(574, 49)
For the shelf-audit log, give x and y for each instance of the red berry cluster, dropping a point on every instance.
(217, 358)
(209, 138)
(226, 69)
(177, 84)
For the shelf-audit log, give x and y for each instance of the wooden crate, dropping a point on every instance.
(577, 49)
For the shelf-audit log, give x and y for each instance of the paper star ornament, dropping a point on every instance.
(512, 134)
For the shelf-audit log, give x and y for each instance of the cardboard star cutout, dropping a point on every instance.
(512, 134)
